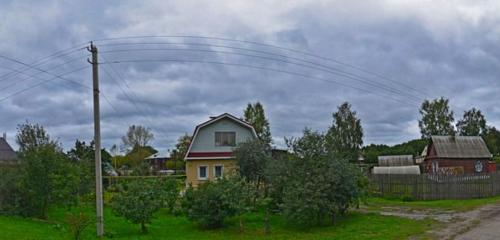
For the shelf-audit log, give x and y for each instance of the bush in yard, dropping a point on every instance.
(138, 202)
(170, 189)
(212, 202)
(77, 222)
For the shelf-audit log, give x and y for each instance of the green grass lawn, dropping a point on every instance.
(354, 226)
(446, 205)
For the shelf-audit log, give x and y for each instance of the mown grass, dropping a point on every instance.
(164, 226)
(445, 205)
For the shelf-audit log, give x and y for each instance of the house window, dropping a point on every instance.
(202, 172)
(225, 139)
(218, 171)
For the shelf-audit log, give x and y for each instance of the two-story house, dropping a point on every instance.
(210, 154)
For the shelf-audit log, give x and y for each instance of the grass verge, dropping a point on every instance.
(354, 226)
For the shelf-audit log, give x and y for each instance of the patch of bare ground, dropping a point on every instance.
(450, 224)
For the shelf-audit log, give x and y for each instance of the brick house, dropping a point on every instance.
(458, 155)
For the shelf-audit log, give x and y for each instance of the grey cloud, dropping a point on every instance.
(399, 41)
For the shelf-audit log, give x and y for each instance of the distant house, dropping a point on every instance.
(158, 161)
(7, 155)
(458, 155)
(210, 154)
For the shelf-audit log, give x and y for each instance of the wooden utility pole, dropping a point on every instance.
(97, 142)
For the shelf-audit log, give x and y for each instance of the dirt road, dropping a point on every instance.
(479, 224)
(487, 229)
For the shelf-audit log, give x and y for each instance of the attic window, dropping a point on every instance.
(225, 139)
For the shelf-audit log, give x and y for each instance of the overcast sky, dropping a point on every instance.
(384, 57)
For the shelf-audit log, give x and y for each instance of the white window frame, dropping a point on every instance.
(206, 173)
(221, 172)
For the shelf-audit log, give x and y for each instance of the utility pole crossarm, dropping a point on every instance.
(97, 141)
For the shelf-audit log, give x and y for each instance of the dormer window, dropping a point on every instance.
(225, 139)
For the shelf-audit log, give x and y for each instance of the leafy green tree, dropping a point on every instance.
(492, 139)
(32, 135)
(83, 157)
(252, 158)
(437, 118)
(48, 177)
(212, 202)
(255, 115)
(135, 157)
(137, 136)
(313, 184)
(345, 136)
(181, 148)
(138, 202)
(473, 123)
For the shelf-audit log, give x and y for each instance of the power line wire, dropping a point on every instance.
(125, 92)
(334, 71)
(39, 62)
(37, 77)
(44, 82)
(42, 70)
(310, 54)
(262, 68)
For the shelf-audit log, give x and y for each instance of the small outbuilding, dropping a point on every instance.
(458, 155)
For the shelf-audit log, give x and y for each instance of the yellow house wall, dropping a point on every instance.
(229, 166)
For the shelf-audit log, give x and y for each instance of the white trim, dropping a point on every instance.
(222, 170)
(207, 172)
(225, 115)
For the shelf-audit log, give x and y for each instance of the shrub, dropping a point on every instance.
(212, 202)
(77, 222)
(9, 190)
(170, 193)
(138, 201)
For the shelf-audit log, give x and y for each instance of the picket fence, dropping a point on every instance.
(435, 187)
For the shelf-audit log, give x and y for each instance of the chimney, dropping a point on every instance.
(5, 136)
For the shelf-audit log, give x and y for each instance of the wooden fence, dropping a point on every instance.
(434, 187)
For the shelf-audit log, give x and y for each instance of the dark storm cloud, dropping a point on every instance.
(420, 52)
